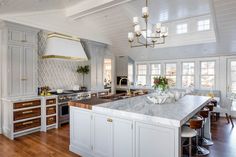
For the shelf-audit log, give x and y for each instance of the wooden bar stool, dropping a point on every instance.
(205, 113)
(191, 131)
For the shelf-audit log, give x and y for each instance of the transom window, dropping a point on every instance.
(155, 71)
(142, 74)
(203, 25)
(188, 74)
(182, 28)
(171, 73)
(207, 74)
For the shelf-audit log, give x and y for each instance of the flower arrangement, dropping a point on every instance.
(160, 83)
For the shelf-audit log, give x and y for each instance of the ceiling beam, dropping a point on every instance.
(89, 7)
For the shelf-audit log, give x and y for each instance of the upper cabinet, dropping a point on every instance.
(19, 60)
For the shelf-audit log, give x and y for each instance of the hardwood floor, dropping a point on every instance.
(55, 143)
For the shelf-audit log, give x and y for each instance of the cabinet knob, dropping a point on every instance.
(109, 120)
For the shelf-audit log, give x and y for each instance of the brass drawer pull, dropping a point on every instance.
(109, 120)
(27, 104)
(26, 123)
(27, 112)
(50, 119)
(23, 41)
(51, 101)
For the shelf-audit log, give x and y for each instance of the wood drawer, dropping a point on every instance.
(27, 114)
(27, 125)
(51, 110)
(27, 104)
(50, 101)
(51, 120)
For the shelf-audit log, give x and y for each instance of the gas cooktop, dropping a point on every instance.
(68, 92)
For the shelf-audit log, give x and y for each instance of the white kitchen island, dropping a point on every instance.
(133, 127)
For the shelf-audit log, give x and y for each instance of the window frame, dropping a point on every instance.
(200, 74)
(193, 75)
(181, 29)
(176, 75)
(203, 25)
(137, 72)
(151, 75)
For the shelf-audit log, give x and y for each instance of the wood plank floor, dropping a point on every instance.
(55, 143)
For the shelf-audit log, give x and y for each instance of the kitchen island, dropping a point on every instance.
(133, 127)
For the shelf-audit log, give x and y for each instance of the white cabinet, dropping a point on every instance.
(102, 136)
(80, 129)
(19, 60)
(148, 139)
(96, 135)
(122, 138)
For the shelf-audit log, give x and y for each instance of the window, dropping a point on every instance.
(107, 72)
(131, 73)
(142, 74)
(203, 25)
(188, 74)
(155, 71)
(171, 74)
(207, 74)
(182, 28)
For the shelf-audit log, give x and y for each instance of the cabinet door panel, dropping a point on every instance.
(15, 35)
(30, 37)
(80, 128)
(29, 71)
(102, 136)
(122, 138)
(154, 141)
(15, 69)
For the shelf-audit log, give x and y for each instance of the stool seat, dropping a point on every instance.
(188, 132)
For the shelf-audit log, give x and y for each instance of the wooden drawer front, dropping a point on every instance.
(51, 120)
(27, 104)
(27, 125)
(51, 110)
(50, 101)
(27, 113)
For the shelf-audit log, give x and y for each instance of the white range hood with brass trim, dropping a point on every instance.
(64, 47)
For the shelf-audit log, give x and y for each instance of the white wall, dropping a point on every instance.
(0, 85)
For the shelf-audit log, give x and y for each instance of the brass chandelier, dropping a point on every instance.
(156, 37)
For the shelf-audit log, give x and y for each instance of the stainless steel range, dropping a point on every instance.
(63, 99)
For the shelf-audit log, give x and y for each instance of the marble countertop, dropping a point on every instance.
(140, 108)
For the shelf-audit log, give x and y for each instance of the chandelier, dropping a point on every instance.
(155, 36)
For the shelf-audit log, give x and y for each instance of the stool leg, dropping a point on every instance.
(190, 146)
(201, 150)
(205, 142)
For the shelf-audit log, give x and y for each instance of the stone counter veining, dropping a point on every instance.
(140, 108)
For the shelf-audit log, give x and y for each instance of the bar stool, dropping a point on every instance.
(191, 131)
(205, 113)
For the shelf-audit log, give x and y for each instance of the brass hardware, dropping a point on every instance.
(23, 79)
(25, 123)
(63, 36)
(51, 119)
(109, 120)
(64, 57)
(24, 41)
(27, 104)
(50, 108)
(51, 101)
(27, 112)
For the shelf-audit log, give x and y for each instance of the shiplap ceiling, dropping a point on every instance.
(111, 24)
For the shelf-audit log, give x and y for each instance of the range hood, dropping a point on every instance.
(64, 47)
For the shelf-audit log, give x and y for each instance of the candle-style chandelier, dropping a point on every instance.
(152, 37)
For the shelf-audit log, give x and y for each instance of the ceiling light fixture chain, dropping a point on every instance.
(157, 36)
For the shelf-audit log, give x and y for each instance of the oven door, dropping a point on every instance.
(63, 113)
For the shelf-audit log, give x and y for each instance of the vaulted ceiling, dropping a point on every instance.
(109, 21)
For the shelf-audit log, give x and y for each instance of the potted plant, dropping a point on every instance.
(83, 70)
(160, 83)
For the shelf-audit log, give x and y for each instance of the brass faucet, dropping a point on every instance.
(129, 84)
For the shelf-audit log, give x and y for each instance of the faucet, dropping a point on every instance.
(129, 84)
